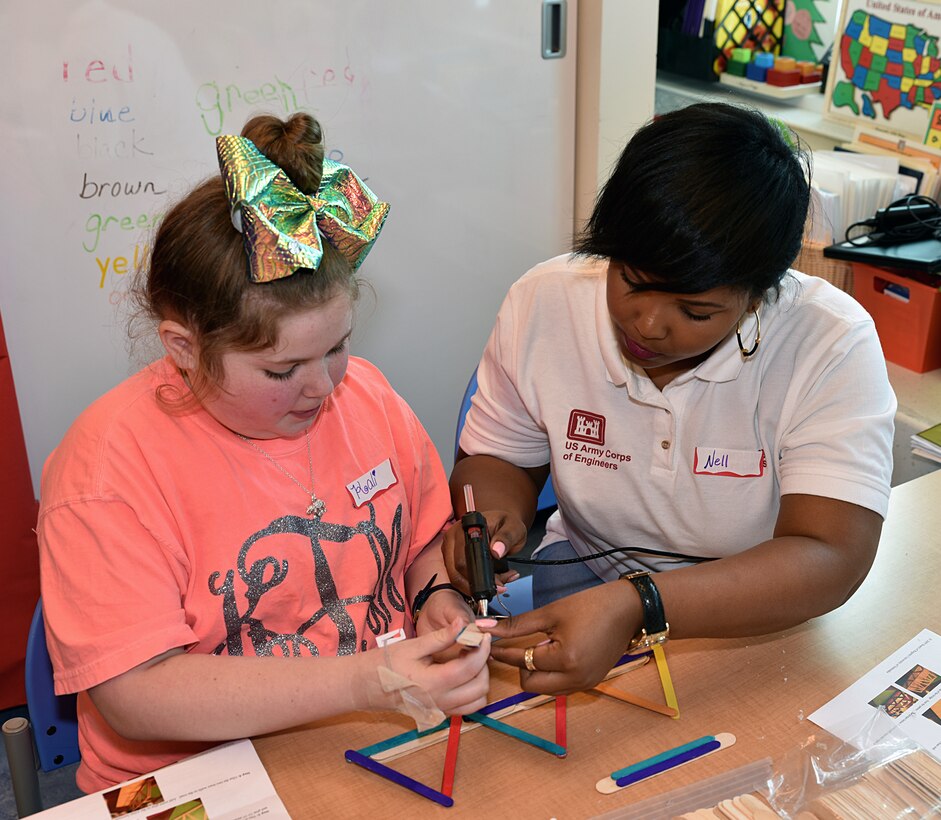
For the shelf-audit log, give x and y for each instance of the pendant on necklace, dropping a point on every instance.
(317, 507)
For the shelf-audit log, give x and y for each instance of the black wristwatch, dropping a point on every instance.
(656, 630)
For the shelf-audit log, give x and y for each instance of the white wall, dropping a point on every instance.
(617, 72)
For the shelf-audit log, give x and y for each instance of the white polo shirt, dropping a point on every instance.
(700, 467)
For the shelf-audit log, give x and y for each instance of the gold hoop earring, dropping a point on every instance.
(738, 335)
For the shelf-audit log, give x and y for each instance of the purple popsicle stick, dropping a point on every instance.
(669, 763)
(397, 777)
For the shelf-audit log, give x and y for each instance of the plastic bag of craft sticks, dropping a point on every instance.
(879, 773)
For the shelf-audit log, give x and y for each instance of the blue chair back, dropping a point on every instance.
(517, 599)
(546, 498)
(55, 726)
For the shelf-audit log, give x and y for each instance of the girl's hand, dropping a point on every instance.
(507, 537)
(458, 686)
(443, 608)
(588, 632)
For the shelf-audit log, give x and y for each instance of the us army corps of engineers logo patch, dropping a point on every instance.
(585, 442)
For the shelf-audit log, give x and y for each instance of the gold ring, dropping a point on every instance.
(528, 658)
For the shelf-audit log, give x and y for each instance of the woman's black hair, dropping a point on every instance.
(712, 195)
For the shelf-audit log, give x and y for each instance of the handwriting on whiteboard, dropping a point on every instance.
(105, 119)
(216, 101)
(97, 71)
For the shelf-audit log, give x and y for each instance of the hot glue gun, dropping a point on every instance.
(480, 565)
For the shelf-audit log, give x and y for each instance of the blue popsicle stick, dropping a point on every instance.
(398, 778)
(512, 700)
(519, 734)
(398, 740)
(628, 657)
(667, 755)
(522, 697)
(414, 734)
(669, 763)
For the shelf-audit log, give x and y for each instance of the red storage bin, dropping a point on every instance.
(907, 314)
(19, 553)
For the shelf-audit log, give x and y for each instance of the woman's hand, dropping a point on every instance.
(507, 537)
(458, 686)
(587, 634)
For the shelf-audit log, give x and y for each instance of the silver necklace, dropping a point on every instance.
(317, 506)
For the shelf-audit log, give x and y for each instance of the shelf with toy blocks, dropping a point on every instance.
(770, 75)
(803, 114)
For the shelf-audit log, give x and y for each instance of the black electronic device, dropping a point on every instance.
(480, 572)
(923, 255)
(901, 214)
(910, 219)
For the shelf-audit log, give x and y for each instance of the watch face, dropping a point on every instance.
(645, 641)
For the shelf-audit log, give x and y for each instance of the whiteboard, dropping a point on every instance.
(109, 112)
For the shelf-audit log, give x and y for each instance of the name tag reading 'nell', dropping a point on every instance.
(371, 483)
(736, 463)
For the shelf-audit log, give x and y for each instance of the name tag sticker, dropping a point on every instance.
(736, 463)
(371, 483)
(394, 636)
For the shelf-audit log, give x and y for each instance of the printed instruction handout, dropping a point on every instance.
(225, 783)
(905, 688)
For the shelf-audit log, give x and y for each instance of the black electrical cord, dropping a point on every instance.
(694, 558)
(907, 219)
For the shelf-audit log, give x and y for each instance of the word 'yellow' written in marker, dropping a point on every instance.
(120, 264)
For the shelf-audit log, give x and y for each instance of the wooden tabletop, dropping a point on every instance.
(759, 689)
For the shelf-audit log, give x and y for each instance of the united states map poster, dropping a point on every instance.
(885, 70)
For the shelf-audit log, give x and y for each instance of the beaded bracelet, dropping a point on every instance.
(426, 591)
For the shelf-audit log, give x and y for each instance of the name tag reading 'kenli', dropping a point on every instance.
(736, 463)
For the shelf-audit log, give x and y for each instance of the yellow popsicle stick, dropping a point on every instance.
(665, 680)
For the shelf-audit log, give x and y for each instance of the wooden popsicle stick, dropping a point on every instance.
(634, 700)
(470, 635)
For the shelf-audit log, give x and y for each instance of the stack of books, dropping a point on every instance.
(921, 163)
(927, 443)
(848, 188)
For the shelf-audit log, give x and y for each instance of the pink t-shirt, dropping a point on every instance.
(160, 530)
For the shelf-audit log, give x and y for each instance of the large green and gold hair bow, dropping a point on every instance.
(282, 226)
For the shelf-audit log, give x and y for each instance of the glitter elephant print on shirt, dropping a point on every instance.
(252, 572)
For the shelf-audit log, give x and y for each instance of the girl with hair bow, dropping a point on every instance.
(225, 535)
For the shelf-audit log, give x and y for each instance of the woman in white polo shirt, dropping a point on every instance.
(716, 424)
